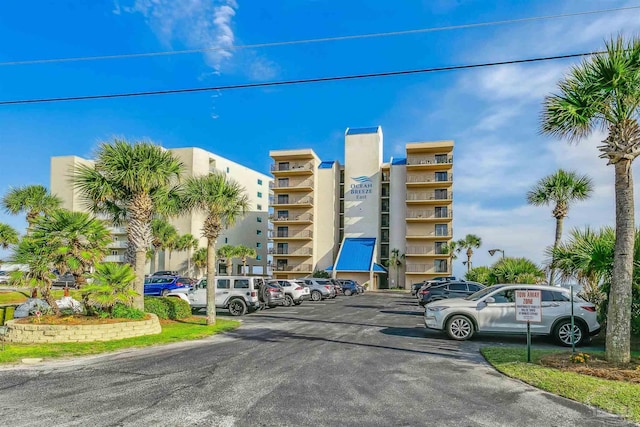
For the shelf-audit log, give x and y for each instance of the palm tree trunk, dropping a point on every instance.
(48, 297)
(154, 260)
(229, 266)
(618, 341)
(211, 284)
(559, 225)
(140, 262)
(244, 266)
(469, 254)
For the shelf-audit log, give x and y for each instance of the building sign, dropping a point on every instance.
(528, 306)
(363, 187)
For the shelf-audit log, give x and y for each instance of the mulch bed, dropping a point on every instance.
(76, 319)
(595, 367)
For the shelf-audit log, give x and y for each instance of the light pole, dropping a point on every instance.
(493, 251)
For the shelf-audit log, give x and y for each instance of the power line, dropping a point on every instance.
(307, 41)
(293, 82)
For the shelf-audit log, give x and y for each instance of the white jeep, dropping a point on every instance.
(238, 294)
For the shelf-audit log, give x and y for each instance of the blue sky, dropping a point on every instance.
(491, 113)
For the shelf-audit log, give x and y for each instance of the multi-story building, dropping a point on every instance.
(351, 219)
(251, 230)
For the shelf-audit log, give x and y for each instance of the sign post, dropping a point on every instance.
(528, 309)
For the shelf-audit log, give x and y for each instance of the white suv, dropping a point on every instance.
(492, 310)
(294, 291)
(238, 294)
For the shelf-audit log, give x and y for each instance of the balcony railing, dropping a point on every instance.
(424, 250)
(278, 167)
(291, 184)
(428, 160)
(303, 234)
(293, 201)
(119, 244)
(424, 268)
(430, 196)
(290, 217)
(294, 268)
(290, 251)
(114, 258)
(429, 214)
(118, 230)
(428, 178)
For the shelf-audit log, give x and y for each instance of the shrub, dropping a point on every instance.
(112, 284)
(124, 312)
(167, 307)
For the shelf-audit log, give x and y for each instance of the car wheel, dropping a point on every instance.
(237, 307)
(459, 328)
(297, 302)
(348, 292)
(165, 292)
(288, 301)
(562, 333)
(316, 296)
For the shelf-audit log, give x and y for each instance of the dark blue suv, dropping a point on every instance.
(349, 287)
(162, 285)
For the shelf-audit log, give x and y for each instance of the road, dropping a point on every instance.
(354, 361)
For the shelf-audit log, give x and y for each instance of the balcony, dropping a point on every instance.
(293, 201)
(429, 196)
(118, 244)
(292, 219)
(114, 258)
(291, 234)
(385, 176)
(292, 168)
(429, 160)
(428, 180)
(428, 214)
(426, 250)
(424, 269)
(291, 251)
(300, 185)
(118, 230)
(302, 268)
(430, 234)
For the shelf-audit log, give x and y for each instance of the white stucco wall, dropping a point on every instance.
(326, 200)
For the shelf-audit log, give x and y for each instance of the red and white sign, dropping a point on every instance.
(528, 306)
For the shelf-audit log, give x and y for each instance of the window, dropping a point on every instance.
(385, 205)
(226, 240)
(283, 215)
(227, 170)
(554, 296)
(114, 252)
(258, 257)
(441, 230)
(259, 232)
(283, 199)
(259, 182)
(258, 245)
(282, 265)
(283, 166)
(222, 268)
(458, 287)
(241, 283)
(259, 219)
(259, 194)
(259, 207)
(505, 296)
(222, 283)
(441, 194)
(283, 182)
(441, 176)
(474, 288)
(284, 283)
(441, 158)
(282, 248)
(283, 232)
(441, 212)
(440, 265)
(440, 247)
(384, 235)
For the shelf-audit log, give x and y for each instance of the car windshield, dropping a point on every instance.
(482, 293)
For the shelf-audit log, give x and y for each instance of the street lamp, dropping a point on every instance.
(493, 251)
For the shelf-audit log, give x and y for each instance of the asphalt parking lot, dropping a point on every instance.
(353, 361)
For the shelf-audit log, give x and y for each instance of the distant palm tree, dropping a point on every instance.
(8, 236)
(187, 242)
(245, 252)
(470, 242)
(223, 201)
(395, 261)
(199, 259)
(132, 183)
(163, 234)
(79, 241)
(228, 252)
(33, 200)
(560, 189)
(603, 92)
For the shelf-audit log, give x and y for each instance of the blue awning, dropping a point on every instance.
(377, 268)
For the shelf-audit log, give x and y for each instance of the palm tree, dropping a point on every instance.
(8, 236)
(187, 242)
(245, 252)
(32, 200)
(112, 284)
(228, 252)
(603, 92)
(451, 250)
(132, 183)
(199, 259)
(163, 234)
(469, 242)
(79, 241)
(395, 261)
(223, 201)
(560, 189)
(515, 270)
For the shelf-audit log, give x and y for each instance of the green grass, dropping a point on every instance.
(187, 329)
(18, 297)
(617, 397)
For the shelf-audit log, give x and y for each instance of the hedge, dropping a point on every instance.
(167, 307)
(6, 314)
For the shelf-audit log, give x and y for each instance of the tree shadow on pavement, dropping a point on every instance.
(410, 313)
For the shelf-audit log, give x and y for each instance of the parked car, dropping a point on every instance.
(294, 291)
(187, 281)
(337, 286)
(320, 288)
(349, 287)
(238, 294)
(433, 282)
(163, 285)
(448, 290)
(166, 273)
(271, 294)
(416, 287)
(492, 310)
(445, 279)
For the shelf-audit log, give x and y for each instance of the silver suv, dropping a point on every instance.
(295, 291)
(320, 288)
(238, 294)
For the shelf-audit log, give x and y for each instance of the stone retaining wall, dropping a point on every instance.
(33, 333)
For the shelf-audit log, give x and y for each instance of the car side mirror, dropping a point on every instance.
(490, 300)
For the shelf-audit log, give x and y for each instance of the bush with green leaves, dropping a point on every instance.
(321, 274)
(167, 307)
(480, 274)
(112, 285)
(122, 311)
